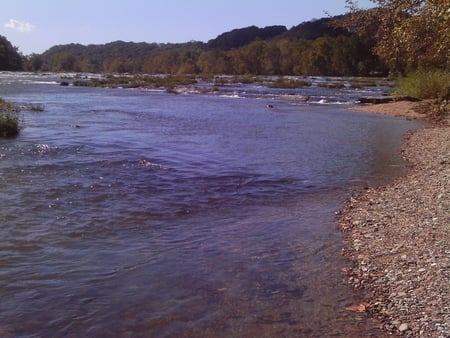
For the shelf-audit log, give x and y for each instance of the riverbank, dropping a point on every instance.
(403, 109)
(397, 238)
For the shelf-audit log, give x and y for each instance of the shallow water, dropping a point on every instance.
(142, 213)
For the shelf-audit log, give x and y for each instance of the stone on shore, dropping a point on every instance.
(398, 240)
(403, 327)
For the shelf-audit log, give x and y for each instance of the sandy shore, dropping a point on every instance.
(398, 238)
(401, 108)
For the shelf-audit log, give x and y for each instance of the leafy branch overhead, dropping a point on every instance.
(409, 34)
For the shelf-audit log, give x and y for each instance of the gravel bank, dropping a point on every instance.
(398, 240)
(403, 109)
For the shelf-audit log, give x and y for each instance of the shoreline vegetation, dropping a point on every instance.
(423, 95)
(172, 81)
(397, 236)
(9, 119)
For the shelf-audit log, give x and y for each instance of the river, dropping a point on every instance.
(137, 213)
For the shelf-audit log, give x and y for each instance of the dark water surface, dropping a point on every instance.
(146, 214)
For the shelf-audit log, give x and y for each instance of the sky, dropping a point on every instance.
(33, 26)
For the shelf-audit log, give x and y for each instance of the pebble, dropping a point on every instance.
(403, 327)
(402, 263)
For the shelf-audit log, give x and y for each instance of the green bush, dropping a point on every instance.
(333, 85)
(9, 119)
(425, 85)
(245, 79)
(138, 81)
(289, 84)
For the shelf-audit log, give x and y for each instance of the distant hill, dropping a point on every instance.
(310, 48)
(10, 59)
(314, 29)
(233, 39)
(114, 49)
(240, 37)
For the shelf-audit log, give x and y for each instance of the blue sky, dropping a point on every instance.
(34, 26)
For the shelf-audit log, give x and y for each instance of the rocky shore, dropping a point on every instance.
(398, 241)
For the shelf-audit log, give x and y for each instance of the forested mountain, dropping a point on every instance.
(117, 56)
(115, 49)
(311, 48)
(10, 59)
(240, 37)
(315, 29)
(362, 42)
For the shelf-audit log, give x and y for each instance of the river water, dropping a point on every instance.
(133, 213)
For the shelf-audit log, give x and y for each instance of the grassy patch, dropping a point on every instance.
(290, 84)
(361, 83)
(425, 85)
(9, 119)
(169, 81)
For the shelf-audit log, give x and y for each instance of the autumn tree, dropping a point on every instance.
(312, 48)
(410, 34)
(214, 62)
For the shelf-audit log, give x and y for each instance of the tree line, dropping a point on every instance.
(397, 36)
(311, 48)
(324, 56)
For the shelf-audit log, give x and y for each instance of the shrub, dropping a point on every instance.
(333, 85)
(289, 84)
(9, 119)
(245, 79)
(138, 81)
(362, 82)
(33, 107)
(425, 85)
(436, 111)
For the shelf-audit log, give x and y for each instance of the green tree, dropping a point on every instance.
(253, 57)
(272, 59)
(34, 62)
(64, 61)
(238, 61)
(294, 54)
(316, 60)
(10, 58)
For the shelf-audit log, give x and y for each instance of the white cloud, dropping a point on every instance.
(23, 27)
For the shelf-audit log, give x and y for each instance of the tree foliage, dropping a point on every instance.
(410, 34)
(314, 29)
(10, 59)
(240, 37)
(311, 48)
